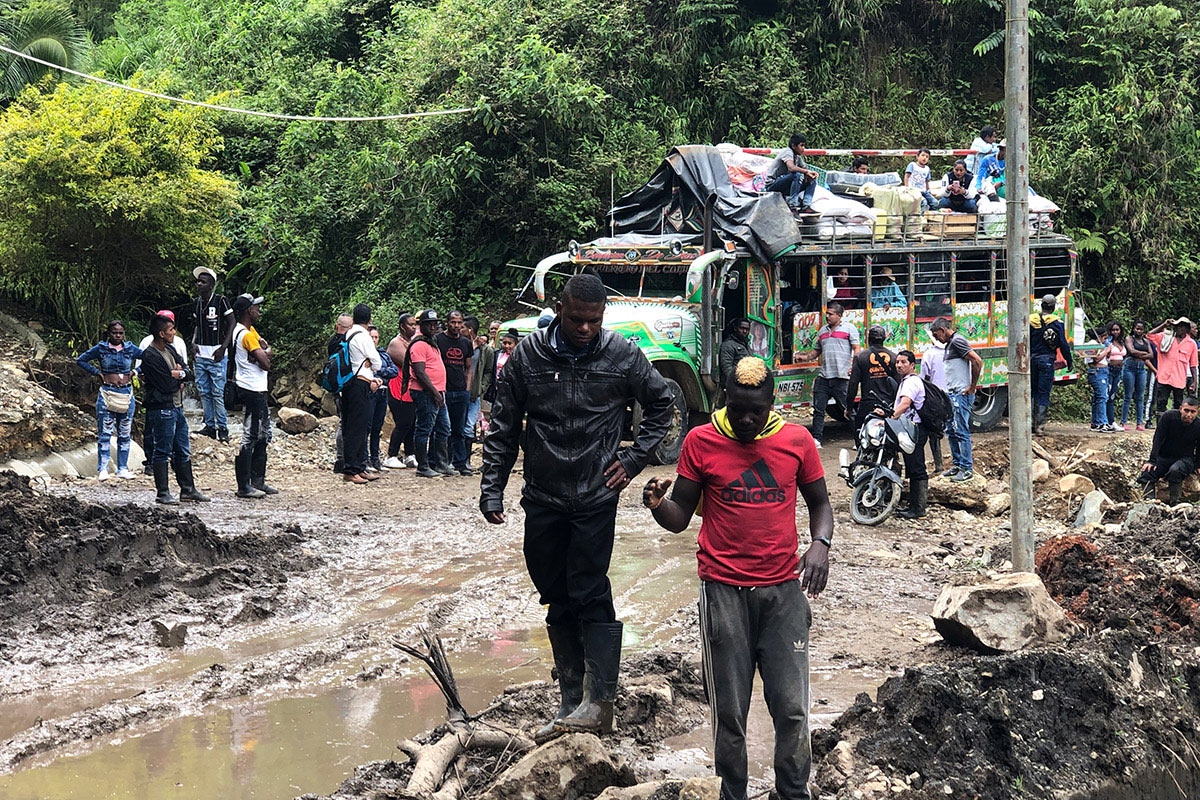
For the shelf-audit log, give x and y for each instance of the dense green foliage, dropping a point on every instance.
(570, 100)
(105, 203)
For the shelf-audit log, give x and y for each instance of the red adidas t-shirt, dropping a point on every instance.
(748, 534)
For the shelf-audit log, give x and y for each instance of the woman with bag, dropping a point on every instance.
(114, 402)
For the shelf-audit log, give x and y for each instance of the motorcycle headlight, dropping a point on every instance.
(874, 432)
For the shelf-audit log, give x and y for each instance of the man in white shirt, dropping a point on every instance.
(252, 354)
(358, 397)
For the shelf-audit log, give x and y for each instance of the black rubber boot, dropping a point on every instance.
(918, 498)
(1176, 493)
(1150, 490)
(258, 471)
(439, 456)
(602, 663)
(241, 467)
(187, 483)
(567, 643)
(162, 482)
(423, 467)
(1039, 420)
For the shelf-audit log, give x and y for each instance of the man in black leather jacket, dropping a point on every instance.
(569, 384)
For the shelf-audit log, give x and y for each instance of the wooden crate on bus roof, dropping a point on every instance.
(952, 225)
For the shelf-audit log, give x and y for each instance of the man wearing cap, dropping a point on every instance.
(424, 376)
(1049, 350)
(566, 387)
(874, 371)
(212, 332)
(180, 350)
(358, 397)
(253, 356)
(1176, 374)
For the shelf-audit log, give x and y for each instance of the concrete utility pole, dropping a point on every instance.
(1020, 418)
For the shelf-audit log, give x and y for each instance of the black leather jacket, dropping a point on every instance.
(573, 411)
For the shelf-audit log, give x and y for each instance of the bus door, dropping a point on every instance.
(762, 310)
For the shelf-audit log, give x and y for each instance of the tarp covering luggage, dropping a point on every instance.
(673, 201)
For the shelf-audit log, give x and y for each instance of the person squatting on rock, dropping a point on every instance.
(358, 397)
(1049, 350)
(569, 383)
(252, 354)
(212, 334)
(963, 367)
(114, 402)
(165, 375)
(749, 465)
(1173, 454)
(424, 377)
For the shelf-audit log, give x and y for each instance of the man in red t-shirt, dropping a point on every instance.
(749, 465)
(424, 375)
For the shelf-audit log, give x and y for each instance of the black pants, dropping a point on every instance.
(823, 390)
(914, 462)
(1173, 470)
(764, 628)
(357, 405)
(567, 554)
(379, 407)
(404, 417)
(1162, 393)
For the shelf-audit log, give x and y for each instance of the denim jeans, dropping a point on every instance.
(378, 414)
(1133, 380)
(108, 423)
(170, 435)
(1043, 380)
(210, 382)
(1114, 386)
(1098, 380)
(958, 429)
(797, 186)
(432, 422)
(456, 407)
(473, 417)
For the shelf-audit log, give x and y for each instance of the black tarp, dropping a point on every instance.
(672, 201)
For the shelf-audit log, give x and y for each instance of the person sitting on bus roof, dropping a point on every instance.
(860, 166)
(989, 178)
(885, 293)
(789, 175)
(960, 189)
(984, 145)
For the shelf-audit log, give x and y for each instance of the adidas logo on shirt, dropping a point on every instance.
(756, 485)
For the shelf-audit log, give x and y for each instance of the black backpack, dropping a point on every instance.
(937, 409)
(338, 369)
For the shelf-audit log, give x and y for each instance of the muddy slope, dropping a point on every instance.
(1122, 697)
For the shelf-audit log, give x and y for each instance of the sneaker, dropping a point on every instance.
(126, 474)
(1118, 428)
(394, 463)
(1097, 428)
(207, 431)
(962, 476)
(466, 472)
(1141, 427)
(950, 473)
(411, 462)
(371, 468)
(428, 472)
(102, 475)
(817, 442)
(1109, 429)
(223, 435)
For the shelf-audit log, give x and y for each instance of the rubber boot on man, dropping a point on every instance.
(258, 470)
(566, 642)
(241, 469)
(601, 665)
(187, 482)
(162, 483)
(918, 499)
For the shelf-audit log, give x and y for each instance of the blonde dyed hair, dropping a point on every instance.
(750, 372)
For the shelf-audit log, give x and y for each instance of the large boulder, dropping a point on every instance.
(651, 790)
(1091, 512)
(1075, 484)
(1003, 613)
(295, 420)
(573, 766)
(1110, 478)
(972, 495)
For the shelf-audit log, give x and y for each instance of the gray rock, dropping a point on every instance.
(573, 766)
(296, 420)
(651, 790)
(700, 789)
(1000, 614)
(1091, 512)
(169, 633)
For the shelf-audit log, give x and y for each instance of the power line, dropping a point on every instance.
(231, 109)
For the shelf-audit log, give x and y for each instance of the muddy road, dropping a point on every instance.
(286, 678)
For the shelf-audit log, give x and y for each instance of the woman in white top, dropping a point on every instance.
(1116, 364)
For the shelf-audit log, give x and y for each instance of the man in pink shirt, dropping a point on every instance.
(1176, 363)
(424, 376)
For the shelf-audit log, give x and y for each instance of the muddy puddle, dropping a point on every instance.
(307, 733)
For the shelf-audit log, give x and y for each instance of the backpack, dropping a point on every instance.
(1049, 334)
(936, 411)
(338, 370)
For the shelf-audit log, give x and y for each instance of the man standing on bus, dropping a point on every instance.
(963, 367)
(837, 345)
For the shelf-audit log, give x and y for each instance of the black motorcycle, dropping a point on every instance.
(875, 472)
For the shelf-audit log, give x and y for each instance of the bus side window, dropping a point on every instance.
(931, 292)
(973, 278)
(1051, 271)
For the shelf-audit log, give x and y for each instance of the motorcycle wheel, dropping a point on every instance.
(874, 501)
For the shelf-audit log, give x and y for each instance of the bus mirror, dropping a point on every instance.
(573, 248)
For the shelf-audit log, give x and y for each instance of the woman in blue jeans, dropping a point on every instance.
(1097, 377)
(1115, 341)
(1135, 373)
(115, 357)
